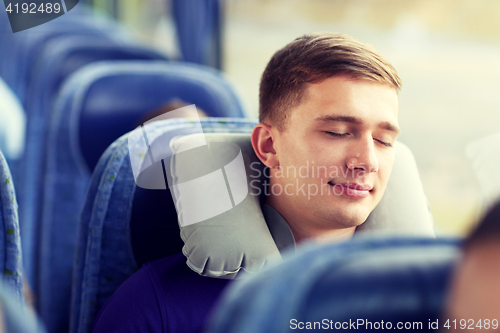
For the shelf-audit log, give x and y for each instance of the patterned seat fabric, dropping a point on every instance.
(10, 243)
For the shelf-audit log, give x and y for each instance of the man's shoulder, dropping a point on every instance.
(163, 293)
(166, 267)
(173, 269)
(175, 283)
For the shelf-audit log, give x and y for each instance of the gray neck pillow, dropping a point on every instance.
(216, 191)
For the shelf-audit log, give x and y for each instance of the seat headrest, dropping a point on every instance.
(122, 92)
(219, 209)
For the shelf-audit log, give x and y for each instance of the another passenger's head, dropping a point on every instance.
(329, 121)
(475, 291)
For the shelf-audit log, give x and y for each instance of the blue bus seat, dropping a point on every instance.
(26, 46)
(61, 59)
(129, 90)
(97, 105)
(21, 50)
(363, 281)
(29, 49)
(10, 242)
(120, 221)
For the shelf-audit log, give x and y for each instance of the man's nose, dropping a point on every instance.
(362, 156)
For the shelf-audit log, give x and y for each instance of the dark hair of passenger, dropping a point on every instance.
(313, 58)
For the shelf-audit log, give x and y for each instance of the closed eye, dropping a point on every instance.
(338, 135)
(387, 144)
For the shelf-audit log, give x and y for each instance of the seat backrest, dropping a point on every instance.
(97, 105)
(358, 284)
(10, 242)
(61, 59)
(26, 46)
(30, 48)
(105, 238)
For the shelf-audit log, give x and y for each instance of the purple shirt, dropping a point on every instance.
(163, 296)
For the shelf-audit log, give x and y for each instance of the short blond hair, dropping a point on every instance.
(313, 58)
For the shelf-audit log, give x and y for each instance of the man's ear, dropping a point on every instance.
(263, 142)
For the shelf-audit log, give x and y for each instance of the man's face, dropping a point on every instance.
(343, 135)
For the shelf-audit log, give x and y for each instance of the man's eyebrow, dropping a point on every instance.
(356, 121)
(345, 119)
(389, 127)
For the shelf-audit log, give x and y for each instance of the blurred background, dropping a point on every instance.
(446, 52)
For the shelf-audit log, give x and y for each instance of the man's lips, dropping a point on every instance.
(352, 190)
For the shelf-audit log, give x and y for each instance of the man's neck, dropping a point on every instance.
(304, 230)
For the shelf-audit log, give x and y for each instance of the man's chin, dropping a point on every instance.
(354, 221)
(348, 217)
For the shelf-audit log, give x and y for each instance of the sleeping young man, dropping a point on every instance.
(329, 104)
